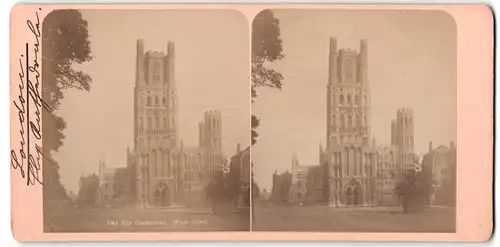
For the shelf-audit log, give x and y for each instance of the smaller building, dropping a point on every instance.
(280, 193)
(442, 162)
(114, 186)
(106, 189)
(239, 176)
(299, 181)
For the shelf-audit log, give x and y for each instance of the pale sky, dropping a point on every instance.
(212, 72)
(411, 63)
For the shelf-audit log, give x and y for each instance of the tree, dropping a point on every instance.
(64, 43)
(266, 48)
(255, 190)
(87, 195)
(215, 189)
(416, 188)
(233, 178)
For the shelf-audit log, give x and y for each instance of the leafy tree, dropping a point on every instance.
(215, 188)
(87, 195)
(266, 48)
(255, 190)
(233, 179)
(415, 189)
(64, 43)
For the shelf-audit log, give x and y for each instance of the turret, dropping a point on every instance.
(363, 61)
(170, 64)
(333, 74)
(139, 61)
(212, 133)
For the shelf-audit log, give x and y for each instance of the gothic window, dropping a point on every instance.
(150, 123)
(156, 71)
(342, 123)
(333, 98)
(356, 98)
(348, 99)
(214, 124)
(157, 124)
(157, 101)
(164, 101)
(341, 99)
(366, 121)
(349, 121)
(349, 70)
(149, 101)
(165, 124)
(334, 120)
(366, 100)
(154, 163)
(357, 121)
(140, 125)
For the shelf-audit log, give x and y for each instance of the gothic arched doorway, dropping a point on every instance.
(162, 195)
(354, 194)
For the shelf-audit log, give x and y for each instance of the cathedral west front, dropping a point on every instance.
(353, 169)
(163, 171)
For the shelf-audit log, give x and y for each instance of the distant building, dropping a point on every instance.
(281, 191)
(442, 162)
(106, 190)
(239, 175)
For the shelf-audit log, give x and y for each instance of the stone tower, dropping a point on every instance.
(403, 136)
(348, 150)
(210, 140)
(211, 130)
(155, 118)
(348, 98)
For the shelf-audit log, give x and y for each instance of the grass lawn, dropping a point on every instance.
(328, 219)
(143, 220)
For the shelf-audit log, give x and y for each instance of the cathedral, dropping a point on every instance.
(162, 170)
(353, 169)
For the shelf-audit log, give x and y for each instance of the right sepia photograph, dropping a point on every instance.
(354, 121)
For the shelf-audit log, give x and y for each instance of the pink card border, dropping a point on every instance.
(475, 135)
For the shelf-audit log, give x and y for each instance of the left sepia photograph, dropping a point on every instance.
(149, 128)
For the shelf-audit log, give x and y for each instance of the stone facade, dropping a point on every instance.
(353, 169)
(239, 175)
(298, 188)
(164, 172)
(281, 190)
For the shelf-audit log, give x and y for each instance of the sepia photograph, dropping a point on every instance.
(354, 120)
(311, 123)
(149, 123)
